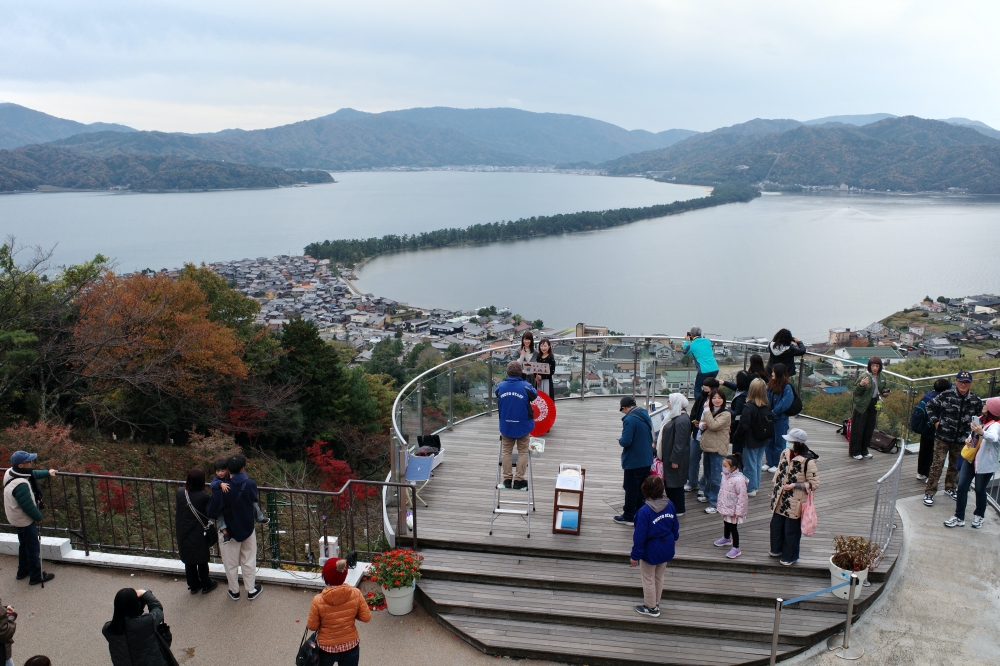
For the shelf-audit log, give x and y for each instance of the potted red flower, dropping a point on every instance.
(397, 572)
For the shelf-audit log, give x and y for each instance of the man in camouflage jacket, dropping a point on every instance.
(950, 414)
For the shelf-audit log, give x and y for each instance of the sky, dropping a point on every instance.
(655, 65)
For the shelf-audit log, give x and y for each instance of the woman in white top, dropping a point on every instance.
(527, 354)
(985, 436)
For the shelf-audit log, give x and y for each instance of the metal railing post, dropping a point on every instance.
(635, 365)
(401, 505)
(774, 635)
(451, 397)
(842, 642)
(802, 371)
(420, 408)
(489, 384)
(583, 371)
(993, 384)
(83, 518)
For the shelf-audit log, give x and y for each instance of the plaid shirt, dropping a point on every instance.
(343, 647)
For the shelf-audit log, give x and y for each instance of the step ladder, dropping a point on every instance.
(505, 496)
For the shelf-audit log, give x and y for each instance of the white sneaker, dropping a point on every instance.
(857, 457)
(977, 522)
(702, 498)
(921, 477)
(752, 493)
(688, 488)
(711, 509)
(774, 468)
(954, 521)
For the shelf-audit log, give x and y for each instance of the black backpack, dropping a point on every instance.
(796, 407)
(762, 425)
(919, 419)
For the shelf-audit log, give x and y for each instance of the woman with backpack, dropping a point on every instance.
(673, 448)
(780, 396)
(869, 390)
(755, 431)
(194, 532)
(133, 636)
(783, 349)
(796, 477)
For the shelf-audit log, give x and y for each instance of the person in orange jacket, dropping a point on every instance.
(332, 616)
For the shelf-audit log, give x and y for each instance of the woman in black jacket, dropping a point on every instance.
(194, 534)
(673, 449)
(756, 368)
(783, 349)
(132, 634)
(741, 387)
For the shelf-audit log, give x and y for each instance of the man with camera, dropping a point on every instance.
(22, 502)
(704, 357)
(517, 420)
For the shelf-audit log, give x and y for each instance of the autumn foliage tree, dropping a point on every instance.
(149, 352)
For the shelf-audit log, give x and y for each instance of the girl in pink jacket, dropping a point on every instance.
(732, 503)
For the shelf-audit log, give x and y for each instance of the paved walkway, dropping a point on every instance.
(944, 599)
(941, 609)
(64, 622)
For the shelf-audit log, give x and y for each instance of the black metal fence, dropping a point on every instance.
(136, 516)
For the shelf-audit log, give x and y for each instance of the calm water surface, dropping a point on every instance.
(165, 230)
(808, 262)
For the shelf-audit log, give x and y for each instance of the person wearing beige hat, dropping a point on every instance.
(985, 439)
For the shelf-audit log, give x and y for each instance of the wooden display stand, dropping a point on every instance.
(568, 499)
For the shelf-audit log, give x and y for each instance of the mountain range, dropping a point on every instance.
(896, 153)
(872, 151)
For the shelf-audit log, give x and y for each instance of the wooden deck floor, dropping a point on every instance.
(460, 496)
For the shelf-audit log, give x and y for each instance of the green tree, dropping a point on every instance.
(385, 361)
(454, 350)
(942, 299)
(330, 394)
(538, 323)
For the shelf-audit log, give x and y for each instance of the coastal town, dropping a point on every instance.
(324, 293)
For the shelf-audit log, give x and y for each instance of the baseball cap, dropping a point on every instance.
(963, 376)
(627, 401)
(20, 457)
(796, 435)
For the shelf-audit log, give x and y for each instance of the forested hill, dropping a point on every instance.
(907, 154)
(21, 126)
(354, 250)
(31, 167)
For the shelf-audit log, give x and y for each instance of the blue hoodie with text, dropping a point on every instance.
(514, 396)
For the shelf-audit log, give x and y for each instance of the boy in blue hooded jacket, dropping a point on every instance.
(656, 530)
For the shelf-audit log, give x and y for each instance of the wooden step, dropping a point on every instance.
(617, 611)
(598, 646)
(721, 585)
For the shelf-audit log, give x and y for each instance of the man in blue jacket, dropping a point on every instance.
(240, 549)
(704, 357)
(637, 455)
(514, 396)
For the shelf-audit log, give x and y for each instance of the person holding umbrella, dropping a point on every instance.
(22, 502)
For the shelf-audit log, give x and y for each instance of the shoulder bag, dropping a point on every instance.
(969, 452)
(165, 639)
(207, 526)
(808, 516)
(308, 650)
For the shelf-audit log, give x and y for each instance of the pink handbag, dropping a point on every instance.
(808, 516)
(657, 467)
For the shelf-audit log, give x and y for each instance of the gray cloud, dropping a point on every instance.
(200, 66)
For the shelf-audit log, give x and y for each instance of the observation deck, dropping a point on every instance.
(570, 598)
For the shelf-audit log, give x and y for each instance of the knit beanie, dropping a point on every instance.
(335, 571)
(993, 406)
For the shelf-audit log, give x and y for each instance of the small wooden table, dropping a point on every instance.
(568, 499)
